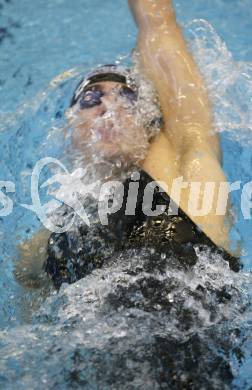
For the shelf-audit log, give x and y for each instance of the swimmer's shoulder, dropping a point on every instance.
(32, 254)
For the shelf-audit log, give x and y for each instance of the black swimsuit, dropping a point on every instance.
(74, 254)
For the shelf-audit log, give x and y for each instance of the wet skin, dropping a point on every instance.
(105, 119)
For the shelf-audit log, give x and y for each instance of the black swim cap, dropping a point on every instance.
(104, 73)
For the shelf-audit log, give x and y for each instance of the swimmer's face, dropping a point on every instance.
(105, 120)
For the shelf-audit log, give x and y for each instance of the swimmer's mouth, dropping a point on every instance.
(107, 134)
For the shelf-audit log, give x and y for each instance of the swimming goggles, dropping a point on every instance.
(89, 97)
(104, 73)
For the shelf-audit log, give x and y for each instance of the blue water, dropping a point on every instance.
(41, 39)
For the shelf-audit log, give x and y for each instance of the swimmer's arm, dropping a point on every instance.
(186, 110)
(32, 254)
(168, 63)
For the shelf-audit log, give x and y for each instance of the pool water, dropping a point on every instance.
(38, 42)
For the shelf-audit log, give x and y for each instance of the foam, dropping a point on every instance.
(99, 338)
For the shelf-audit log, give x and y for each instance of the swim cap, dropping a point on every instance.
(104, 73)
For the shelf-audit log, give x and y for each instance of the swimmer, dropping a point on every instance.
(186, 146)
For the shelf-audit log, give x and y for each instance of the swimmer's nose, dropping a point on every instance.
(109, 103)
(102, 109)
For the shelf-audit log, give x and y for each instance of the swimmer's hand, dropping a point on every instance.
(28, 270)
(149, 13)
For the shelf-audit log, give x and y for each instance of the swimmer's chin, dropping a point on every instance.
(112, 152)
(107, 147)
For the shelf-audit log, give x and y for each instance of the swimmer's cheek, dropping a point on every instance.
(28, 270)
